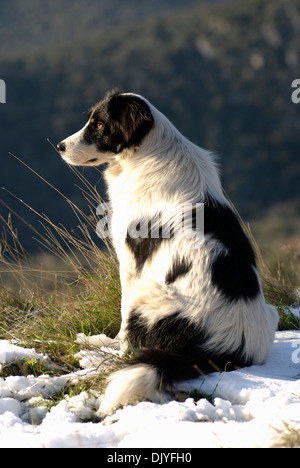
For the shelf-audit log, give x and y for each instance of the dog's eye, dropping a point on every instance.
(99, 125)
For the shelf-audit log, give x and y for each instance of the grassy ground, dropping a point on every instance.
(74, 288)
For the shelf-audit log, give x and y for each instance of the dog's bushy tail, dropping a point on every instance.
(149, 377)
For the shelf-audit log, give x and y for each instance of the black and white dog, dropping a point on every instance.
(190, 304)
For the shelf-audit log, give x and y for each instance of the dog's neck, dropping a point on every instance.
(165, 166)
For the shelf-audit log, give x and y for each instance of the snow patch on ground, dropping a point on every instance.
(251, 407)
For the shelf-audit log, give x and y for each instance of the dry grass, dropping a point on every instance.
(282, 286)
(74, 287)
(288, 438)
(45, 302)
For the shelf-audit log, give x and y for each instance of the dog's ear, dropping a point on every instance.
(130, 120)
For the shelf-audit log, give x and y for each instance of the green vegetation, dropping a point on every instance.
(45, 302)
(73, 289)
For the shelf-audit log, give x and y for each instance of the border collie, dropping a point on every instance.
(190, 305)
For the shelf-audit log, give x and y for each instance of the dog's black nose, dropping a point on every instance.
(61, 147)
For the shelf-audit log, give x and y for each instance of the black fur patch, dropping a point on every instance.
(180, 267)
(232, 271)
(130, 119)
(172, 333)
(144, 243)
(125, 120)
(142, 249)
(176, 348)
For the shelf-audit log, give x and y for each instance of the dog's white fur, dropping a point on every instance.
(163, 173)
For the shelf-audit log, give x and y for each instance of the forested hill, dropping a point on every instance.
(36, 24)
(221, 71)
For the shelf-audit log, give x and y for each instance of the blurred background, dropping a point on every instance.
(221, 71)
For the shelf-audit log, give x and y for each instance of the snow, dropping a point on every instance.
(251, 407)
(9, 352)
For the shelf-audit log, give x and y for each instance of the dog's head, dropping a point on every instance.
(119, 121)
